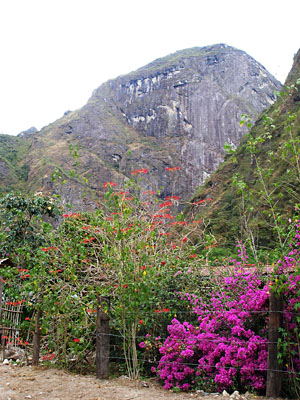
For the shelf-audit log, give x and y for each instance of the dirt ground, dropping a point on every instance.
(41, 383)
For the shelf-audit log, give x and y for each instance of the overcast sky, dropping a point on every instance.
(54, 53)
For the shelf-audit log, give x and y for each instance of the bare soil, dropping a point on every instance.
(41, 383)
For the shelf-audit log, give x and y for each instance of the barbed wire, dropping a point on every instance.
(178, 340)
(206, 366)
(174, 312)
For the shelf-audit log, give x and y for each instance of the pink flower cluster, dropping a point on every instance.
(227, 345)
(224, 345)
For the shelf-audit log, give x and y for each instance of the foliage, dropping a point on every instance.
(146, 267)
(124, 250)
(257, 187)
(227, 348)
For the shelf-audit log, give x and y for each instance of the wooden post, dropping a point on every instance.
(102, 342)
(37, 339)
(274, 377)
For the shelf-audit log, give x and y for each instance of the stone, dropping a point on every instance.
(224, 393)
(235, 395)
(14, 353)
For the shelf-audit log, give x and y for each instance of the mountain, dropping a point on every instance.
(255, 192)
(177, 111)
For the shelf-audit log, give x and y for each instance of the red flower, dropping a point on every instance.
(193, 256)
(163, 310)
(125, 286)
(166, 204)
(172, 168)
(149, 192)
(71, 215)
(106, 184)
(140, 171)
(202, 201)
(168, 216)
(76, 340)
(184, 239)
(141, 322)
(89, 240)
(46, 249)
(48, 357)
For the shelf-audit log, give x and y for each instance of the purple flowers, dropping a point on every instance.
(223, 345)
(228, 347)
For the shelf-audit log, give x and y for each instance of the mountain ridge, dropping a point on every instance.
(240, 207)
(178, 114)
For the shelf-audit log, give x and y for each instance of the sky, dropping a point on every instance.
(54, 53)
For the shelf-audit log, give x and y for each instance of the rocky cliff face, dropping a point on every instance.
(196, 99)
(177, 111)
(243, 215)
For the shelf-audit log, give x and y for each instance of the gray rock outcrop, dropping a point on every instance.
(178, 111)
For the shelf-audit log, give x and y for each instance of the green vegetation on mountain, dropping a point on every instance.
(254, 193)
(13, 169)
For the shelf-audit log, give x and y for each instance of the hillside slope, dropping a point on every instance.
(13, 167)
(255, 190)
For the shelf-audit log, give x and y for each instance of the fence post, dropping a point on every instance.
(274, 376)
(102, 341)
(37, 339)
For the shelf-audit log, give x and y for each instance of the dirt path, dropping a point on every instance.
(18, 383)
